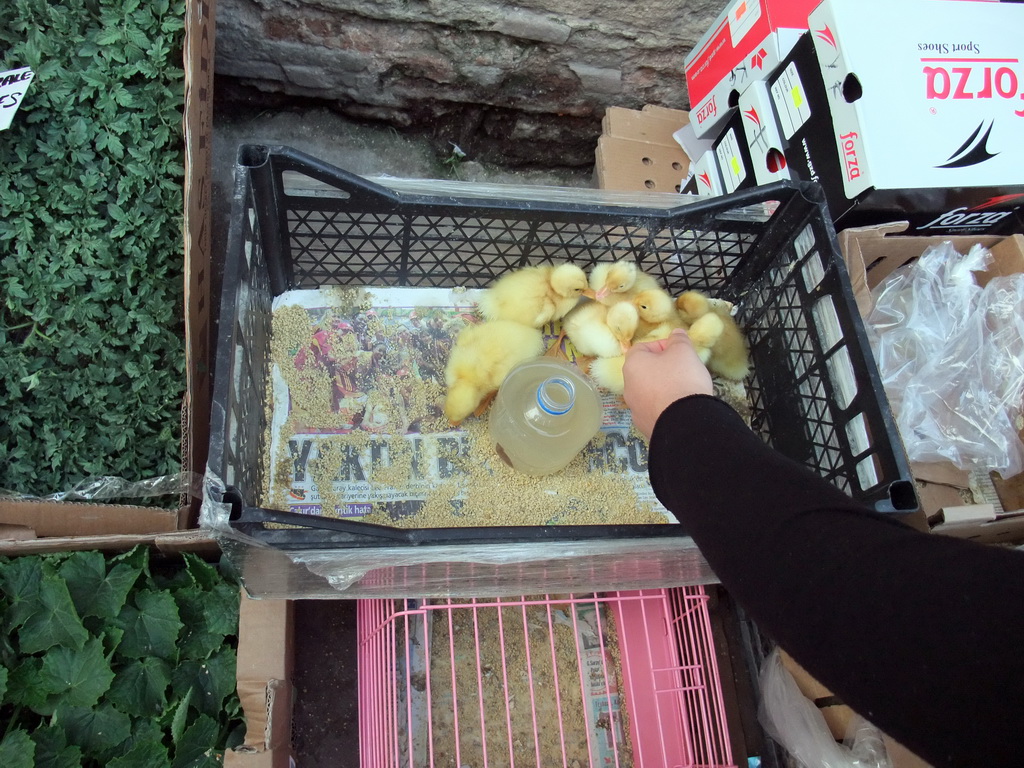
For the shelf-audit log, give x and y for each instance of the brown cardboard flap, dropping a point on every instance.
(1002, 530)
(852, 243)
(265, 631)
(264, 670)
(935, 497)
(1010, 492)
(680, 116)
(10, 532)
(198, 542)
(245, 757)
(941, 473)
(198, 61)
(268, 713)
(1007, 259)
(639, 126)
(53, 518)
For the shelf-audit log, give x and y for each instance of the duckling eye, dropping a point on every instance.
(622, 286)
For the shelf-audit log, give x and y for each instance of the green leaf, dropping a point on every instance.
(55, 622)
(53, 750)
(181, 716)
(137, 558)
(204, 574)
(23, 686)
(76, 678)
(140, 688)
(95, 730)
(17, 750)
(145, 754)
(208, 617)
(151, 626)
(21, 579)
(197, 743)
(213, 680)
(94, 591)
(3, 682)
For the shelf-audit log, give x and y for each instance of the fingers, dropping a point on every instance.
(660, 345)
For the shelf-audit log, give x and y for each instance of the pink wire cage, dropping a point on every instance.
(614, 679)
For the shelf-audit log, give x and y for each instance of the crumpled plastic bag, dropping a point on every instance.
(951, 356)
(795, 723)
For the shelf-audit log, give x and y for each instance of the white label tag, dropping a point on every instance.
(13, 85)
(790, 101)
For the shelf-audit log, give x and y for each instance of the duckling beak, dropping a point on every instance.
(625, 345)
(601, 294)
(589, 293)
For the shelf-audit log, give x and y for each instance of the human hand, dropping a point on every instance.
(657, 373)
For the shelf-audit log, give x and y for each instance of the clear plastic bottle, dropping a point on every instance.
(543, 415)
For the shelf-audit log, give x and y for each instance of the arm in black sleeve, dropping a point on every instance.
(920, 633)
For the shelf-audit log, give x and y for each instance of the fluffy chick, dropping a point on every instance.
(658, 314)
(617, 281)
(481, 358)
(729, 356)
(535, 296)
(599, 331)
(607, 372)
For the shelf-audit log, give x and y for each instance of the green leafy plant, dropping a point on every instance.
(91, 257)
(106, 663)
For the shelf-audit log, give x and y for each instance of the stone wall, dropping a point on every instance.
(527, 83)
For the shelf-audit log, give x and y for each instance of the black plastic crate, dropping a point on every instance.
(814, 389)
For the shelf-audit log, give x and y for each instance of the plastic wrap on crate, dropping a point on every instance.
(106, 487)
(493, 569)
(464, 190)
(300, 223)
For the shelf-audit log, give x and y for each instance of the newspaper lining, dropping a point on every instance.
(419, 326)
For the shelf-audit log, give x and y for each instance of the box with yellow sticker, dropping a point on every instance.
(733, 156)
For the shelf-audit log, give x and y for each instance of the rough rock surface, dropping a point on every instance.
(528, 82)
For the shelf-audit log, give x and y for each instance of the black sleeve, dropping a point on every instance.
(920, 633)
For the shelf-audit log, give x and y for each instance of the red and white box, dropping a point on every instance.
(764, 138)
(924, 93)
(747, 41)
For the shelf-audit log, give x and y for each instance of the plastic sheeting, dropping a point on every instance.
(469, 570)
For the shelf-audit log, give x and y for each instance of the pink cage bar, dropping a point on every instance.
(611, 679)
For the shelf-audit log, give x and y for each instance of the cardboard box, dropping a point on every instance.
(800, 98)
(706, 177)
(872, 254)
(264, 673)
(926, 105)
(764, 137)
(632, 154)
(733, 157)
(796, 94)
(65, 520)
(640, 126)
(747, 40)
